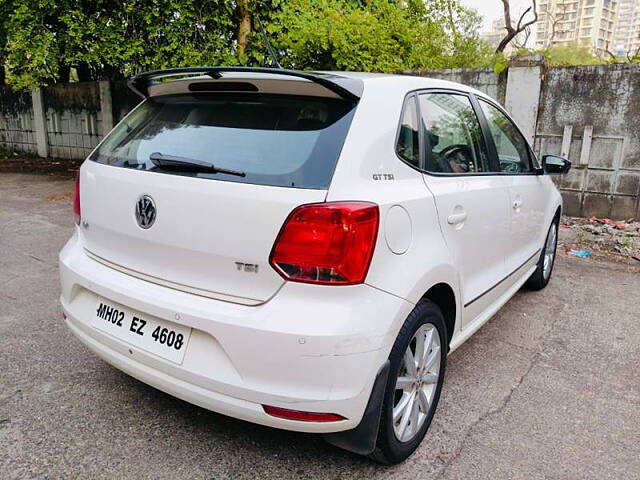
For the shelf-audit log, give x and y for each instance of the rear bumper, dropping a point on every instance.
(309, 348)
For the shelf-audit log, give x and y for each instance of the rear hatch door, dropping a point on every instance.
(211, 232)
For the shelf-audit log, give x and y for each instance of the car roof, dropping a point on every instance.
(406, 82)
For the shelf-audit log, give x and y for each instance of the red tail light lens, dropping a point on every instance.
(76, 199)
(302, 416)
(327, 243)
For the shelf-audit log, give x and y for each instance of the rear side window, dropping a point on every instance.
(453, 135)
(278, 140)
(408, 140)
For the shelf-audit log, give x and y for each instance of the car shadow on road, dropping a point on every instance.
(241, 445)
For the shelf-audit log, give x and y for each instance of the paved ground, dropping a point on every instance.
(549, 388)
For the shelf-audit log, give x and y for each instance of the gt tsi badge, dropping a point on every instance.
(145, 211)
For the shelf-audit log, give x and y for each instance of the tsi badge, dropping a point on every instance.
(247, 267)
(145, 211)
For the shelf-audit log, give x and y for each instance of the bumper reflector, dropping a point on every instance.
(302, 416)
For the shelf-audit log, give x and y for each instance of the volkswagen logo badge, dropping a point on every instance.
(145, 211)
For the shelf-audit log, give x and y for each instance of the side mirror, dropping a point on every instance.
(554, 165)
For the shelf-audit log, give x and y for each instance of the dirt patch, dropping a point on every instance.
(43, 166)
(60, 197)
(619, 241)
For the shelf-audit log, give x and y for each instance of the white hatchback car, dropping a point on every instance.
(302, 250)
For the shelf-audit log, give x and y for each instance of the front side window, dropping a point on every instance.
(453, 136)
(511, 147)
(278, 140)
(408, 139)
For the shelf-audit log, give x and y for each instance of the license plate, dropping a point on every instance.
(164, 339)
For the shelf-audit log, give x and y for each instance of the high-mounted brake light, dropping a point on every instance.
(76, 199)
(301, 416)
(327, 243)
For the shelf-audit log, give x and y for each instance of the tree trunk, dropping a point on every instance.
(452, 22)
(2, 75)
(84, 73)
(520, 26)
(63, 74)
(504, 42)
(109, 72)
(244, 26)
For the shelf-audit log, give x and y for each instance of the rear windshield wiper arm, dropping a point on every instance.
(174, 162)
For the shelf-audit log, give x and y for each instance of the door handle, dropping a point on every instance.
(456, 218)
(517, 204)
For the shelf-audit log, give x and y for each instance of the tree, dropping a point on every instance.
(374, 35)
(244, 26)
(633, 56)
(98, 39)
(6, 7)
(521, 25)
(106, 39)
(557, 15)
(520, 41)
(463, 27)
(377, 35)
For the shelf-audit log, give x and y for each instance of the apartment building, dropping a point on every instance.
(587, 22)
(626, 40)
(496, 34)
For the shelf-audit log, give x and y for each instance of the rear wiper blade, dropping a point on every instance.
(174, 162)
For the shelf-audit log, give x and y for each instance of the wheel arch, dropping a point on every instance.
(443, 295)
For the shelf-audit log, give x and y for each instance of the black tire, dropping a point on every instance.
(389, 450)
(537, 280)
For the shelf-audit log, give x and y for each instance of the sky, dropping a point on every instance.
(492, 9)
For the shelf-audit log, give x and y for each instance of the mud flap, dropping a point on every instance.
(362, 439)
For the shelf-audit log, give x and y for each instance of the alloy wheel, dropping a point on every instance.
(416, 383)
(549, 251)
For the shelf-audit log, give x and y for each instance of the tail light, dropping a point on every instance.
(301, 416)
(76, 199)
(327, 243)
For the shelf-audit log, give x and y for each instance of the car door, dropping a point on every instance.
(517, 165)
(472, 202)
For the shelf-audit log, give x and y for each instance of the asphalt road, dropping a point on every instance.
(549, 388)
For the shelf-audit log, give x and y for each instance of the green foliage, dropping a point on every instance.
(469, 50)
(379, 35)
(500, 62)
(6, 7)
(47, 39)
(571, 55)
(375, 36)
(560, 56)
(105, 37)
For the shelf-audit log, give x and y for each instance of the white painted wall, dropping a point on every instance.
(523, 97)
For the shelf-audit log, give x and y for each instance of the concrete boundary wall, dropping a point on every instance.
(483, 79)
(73, 119)
(589, 114)
(62, 120)
(17, 123)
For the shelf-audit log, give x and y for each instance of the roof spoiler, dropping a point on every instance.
(347, 88)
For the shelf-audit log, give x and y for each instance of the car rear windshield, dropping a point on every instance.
(278, 140)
